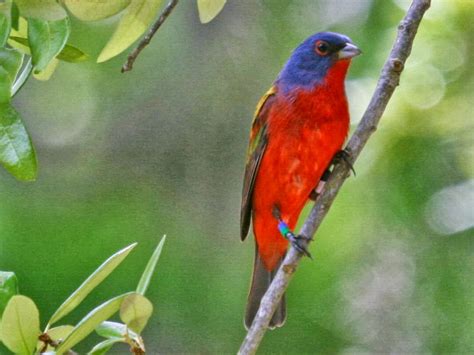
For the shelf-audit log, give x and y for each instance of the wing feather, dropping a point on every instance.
(256, 150)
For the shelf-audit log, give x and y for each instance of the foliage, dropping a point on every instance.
(20, 321)
(41, 29)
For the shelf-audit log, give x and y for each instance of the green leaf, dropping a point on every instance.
(46, 39)
(15, 16)
(135, 312)
(104, 346)
(115, 330)
(90, 283)
(72, 54)
(16, 150)
(5, 86)
(20, 325)
(56, 334)
(135, 20)
(48, 10)
(8, 288)
(208, 9)
(90, 322)
(5, 21)
(11, 60)
(95, 10)
(150, 268)
(68, 54)
(10, 63)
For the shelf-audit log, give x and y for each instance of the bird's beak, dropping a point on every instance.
(348, 51)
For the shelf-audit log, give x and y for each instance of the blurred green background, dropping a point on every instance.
(160, 150)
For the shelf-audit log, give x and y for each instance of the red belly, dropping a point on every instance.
(300, 148)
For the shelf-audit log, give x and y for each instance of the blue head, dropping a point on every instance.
(311, 60)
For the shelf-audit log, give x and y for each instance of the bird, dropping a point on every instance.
(299, 126)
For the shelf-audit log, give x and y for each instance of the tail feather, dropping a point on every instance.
(261, 280)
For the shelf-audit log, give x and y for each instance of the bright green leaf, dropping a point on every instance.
(72, 54)
(48, 10)
(90, 283)
(111, 329)
(56, 334)
(11, 60)
(95, 10)
(208, 9)
(90, 322)
(150, 268)
(8, 288)
(135, 20)
(68, 54)
(5, 21)
(16, 150)
(10, 63)
(5, 86)
(135, 312)
(46, 39)
(46, 73)
(20, 325)
(104, 346)
(115, 330)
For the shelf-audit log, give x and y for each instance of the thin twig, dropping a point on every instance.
(128, 65)
(388, 81)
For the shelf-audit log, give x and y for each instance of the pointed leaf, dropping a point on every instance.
(48, 10)
(8, 288)
(57, 334)
(135, 312)
(111, 329)
(137, 17)
(11, 60)
(150, 268)
(90, 283)
(208, 9)
(46, 39)
(16, 150)
(104, 346)
(20, 325)
(95, 10)
(72, 54)
(90, 322)
(68, 54)
(5, 21)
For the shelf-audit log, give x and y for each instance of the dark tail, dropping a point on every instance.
(261, 280)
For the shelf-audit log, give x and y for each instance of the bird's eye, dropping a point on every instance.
(322, 48)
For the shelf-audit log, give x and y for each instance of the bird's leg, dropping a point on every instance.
(342, 155)
(319, 188)
(299, 242)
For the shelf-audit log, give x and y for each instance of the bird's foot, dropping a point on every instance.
(299, 242)
(345, 156)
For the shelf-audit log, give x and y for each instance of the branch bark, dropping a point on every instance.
(388, 81)
(128, 65)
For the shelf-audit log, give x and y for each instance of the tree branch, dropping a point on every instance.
(128, 65)
(388, 81)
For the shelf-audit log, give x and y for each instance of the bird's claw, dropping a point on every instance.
(345, 156)
(299, 242)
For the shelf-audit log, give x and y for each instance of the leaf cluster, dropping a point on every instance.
(34, 38)
(20, 318)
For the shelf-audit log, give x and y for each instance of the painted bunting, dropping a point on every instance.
(300, 124)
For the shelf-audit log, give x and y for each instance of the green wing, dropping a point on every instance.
(257, 145)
